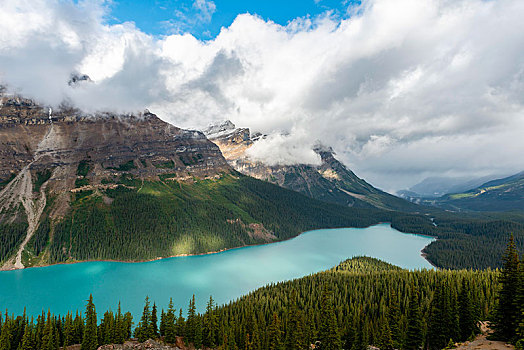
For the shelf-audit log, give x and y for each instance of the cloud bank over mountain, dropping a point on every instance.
(401, 89)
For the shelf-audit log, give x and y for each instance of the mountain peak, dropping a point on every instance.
(217, 130)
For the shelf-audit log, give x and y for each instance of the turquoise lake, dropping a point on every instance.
(226, 276)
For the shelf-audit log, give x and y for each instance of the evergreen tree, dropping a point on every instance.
(414, 335)
(119, 332)
(162, 328)
(437, 332)
(68, 330)
(198, 333)
(128, 324)
(210, 324)
(275, 334)
(78, 329)
(295, 337)
(106, 329)
(90, 338)
(386, 339)
(329, 334)
(255, 335)
(6, 336)
(48, 339)
(191, 323)
(393, 316)
(181, 325)
(507, 311)
(27, 339)
(154, 320)
(467, 321)
(144, 329)
(170, 327)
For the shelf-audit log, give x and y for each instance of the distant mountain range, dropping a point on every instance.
(503, 194)
(434, 187)
(331, 181)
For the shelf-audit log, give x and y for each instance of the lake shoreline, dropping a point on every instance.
(424, 255)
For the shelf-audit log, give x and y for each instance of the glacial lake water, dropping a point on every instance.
(226, 276)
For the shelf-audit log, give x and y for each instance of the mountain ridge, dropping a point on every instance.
(331, 181)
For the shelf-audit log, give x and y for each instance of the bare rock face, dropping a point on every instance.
(330, 181)
(42, 138)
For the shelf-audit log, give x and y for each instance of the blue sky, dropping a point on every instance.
(205, 18)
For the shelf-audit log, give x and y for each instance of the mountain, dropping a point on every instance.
(76, 187)
(434, 187)
(331, 181)
(496, 195)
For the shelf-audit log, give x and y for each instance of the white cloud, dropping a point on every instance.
(401, 89)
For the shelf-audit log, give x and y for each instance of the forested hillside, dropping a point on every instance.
(149, 219)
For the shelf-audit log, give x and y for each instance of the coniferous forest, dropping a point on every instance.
(361, 302)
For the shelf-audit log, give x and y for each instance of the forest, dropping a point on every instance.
(360, 302)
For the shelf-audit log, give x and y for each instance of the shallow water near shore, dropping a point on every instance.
(226, 275)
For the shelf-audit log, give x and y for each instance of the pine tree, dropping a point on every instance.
(154, 320)
(170, 319)
(68, 330)
(144, 329)
(275, 333)
(296, 334)
(78, 329)
(507, 311)
(191, 326)
(198, 333)
(520, 301)
(467, 321)
(90, 338)
(386, 339)
(437, 332)
(181, 325)
(6, 336)
(162, 328)
(210, 324)
(119, 332)
(106, 329)
(393, 315)
(329, 334)
(255, 335)
(414, 335)
(48, 338)
(27, 339)
(128, 324)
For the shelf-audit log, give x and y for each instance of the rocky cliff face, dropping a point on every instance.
(48, 153)
(331, 181)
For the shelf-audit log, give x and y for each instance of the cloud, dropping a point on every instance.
(401, 89)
